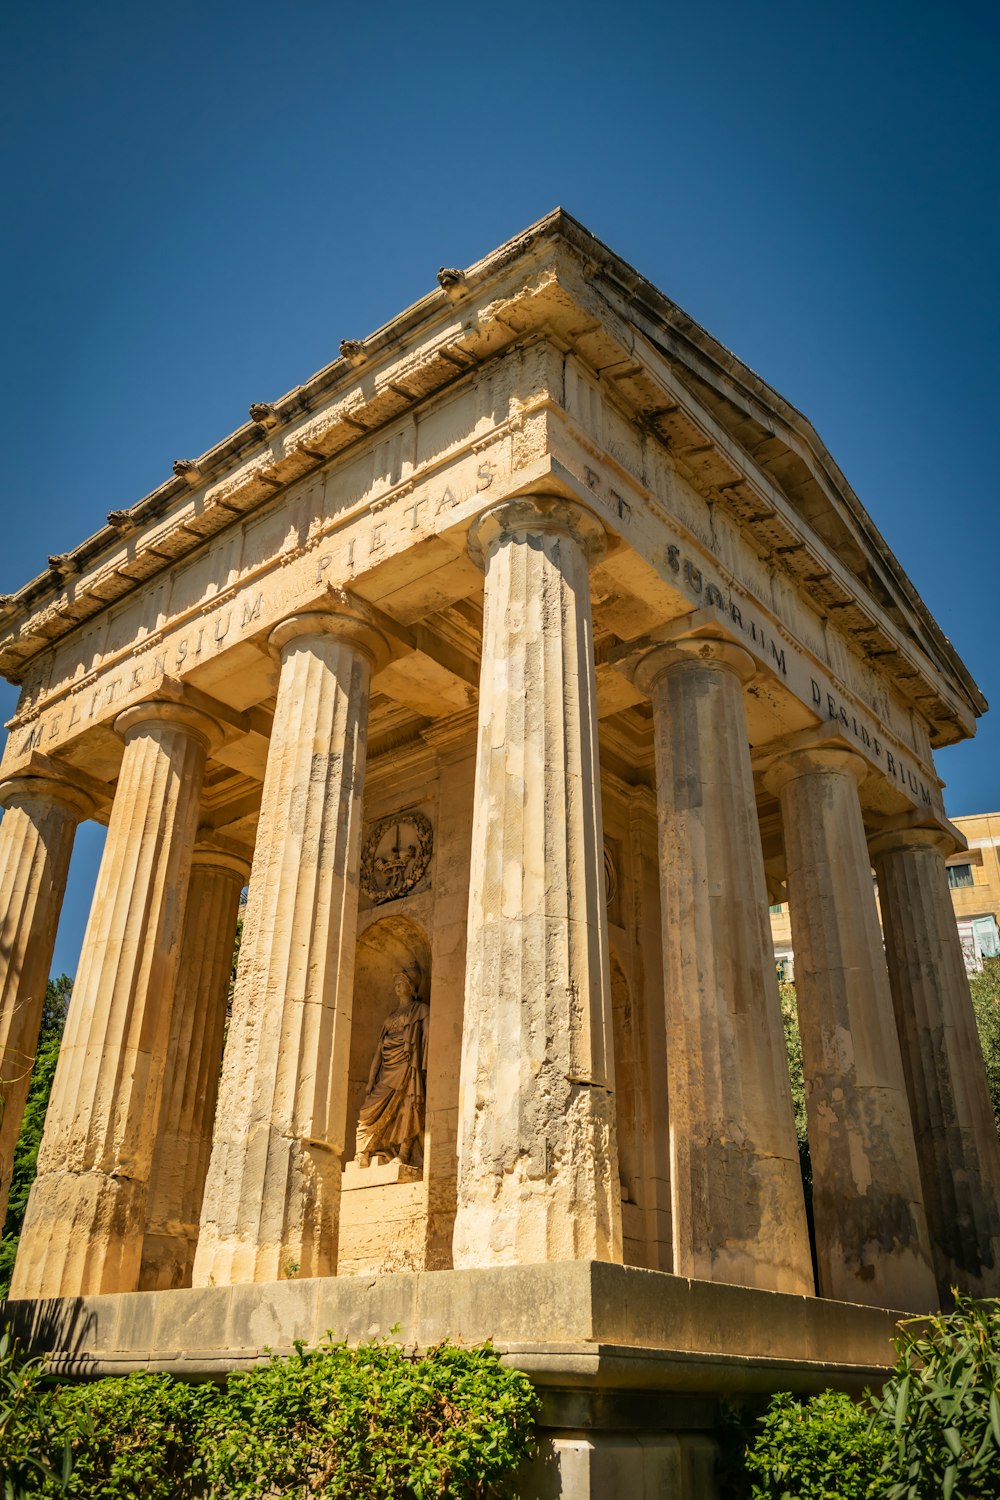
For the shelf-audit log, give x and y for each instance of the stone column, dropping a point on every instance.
(871, 1232)
(191, 1082)
(736, 1184)
(36, 840)
(272, 1198)
(957, 1143)
(83, 1228)
(538, 1169)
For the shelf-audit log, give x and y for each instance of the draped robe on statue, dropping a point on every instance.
(392, 1117)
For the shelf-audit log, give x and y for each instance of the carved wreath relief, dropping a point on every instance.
(395, 855)
(610, 877)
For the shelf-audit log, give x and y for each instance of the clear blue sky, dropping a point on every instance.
(202, 200)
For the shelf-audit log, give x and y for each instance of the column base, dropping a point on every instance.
(82, 1236)
(293, 1234)
(167, 1259)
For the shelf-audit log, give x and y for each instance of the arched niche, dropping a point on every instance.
(386, 946)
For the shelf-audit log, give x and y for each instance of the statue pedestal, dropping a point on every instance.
(379, 1174)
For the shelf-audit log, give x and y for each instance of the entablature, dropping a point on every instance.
(550, 307)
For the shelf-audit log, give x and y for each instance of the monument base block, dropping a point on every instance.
(630, 1364)
(377, 1174)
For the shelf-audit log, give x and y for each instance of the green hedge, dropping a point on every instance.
(932, 1434)
(332, 1421)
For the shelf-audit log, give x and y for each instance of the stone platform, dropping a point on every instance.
(630, 1363)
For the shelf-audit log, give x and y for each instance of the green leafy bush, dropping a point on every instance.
(35, 1459)
(371, 1423)
(932, 1434)
(826, 1448)
(942, 1407)
(332, 1421)
(136, 1437)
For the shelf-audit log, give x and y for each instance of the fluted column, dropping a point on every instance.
(83, 1228)
(871, 1232)
(272, 1198)
(538, 1170)
(191, 1082)
(736, 1184)
(36, 841)
(957, 1143)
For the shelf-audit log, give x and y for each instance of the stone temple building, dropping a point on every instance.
(516, 660)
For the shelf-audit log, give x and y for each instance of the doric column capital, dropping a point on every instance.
(339, 615)
(810, 760)
(534, 515)
(47, 789)
(165, 711)
(206, 856)
(907, 832)
(704, 651)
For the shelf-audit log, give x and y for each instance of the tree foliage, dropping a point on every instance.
(942, 1406)
(985, 988)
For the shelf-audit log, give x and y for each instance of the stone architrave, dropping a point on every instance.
(194, 1058)
(871, 1232)
(738, 1207)
(84, 1224)
(956, 1136)
(36, 841)
(537, 1170)
(272, 1197)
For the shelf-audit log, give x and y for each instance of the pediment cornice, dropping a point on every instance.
(737, 441)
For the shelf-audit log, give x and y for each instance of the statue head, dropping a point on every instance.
(405, 986)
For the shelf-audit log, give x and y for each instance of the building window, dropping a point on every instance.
(775, 909)
(980, 939)
(960, 875)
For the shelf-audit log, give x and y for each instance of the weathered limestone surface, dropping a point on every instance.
(613, 1466)
(36, 840)
(738, 1209)
(83, 1228)
(272, 1197)
(383, 1227)
(456, 761)
(647, 1000)
(191, 1081)
(563, 1316)
(871, 1232)
(957, 1144)
(538, 1171)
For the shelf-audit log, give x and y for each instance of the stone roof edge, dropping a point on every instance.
(244, 440)
(558, 224)
(730, 365)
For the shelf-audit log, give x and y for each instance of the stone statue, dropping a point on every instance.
(391, 1123)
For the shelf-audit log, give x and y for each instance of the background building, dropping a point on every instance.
(974, 880)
